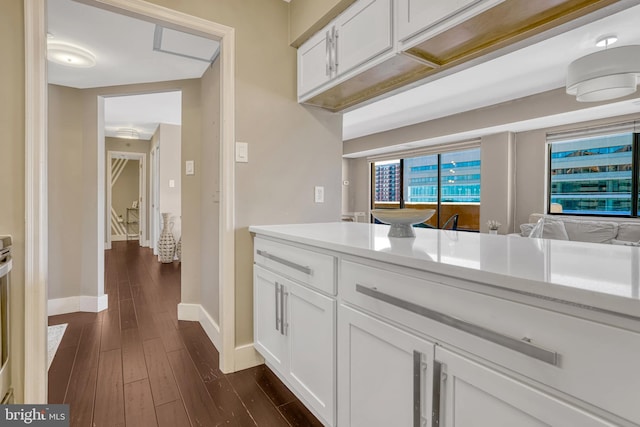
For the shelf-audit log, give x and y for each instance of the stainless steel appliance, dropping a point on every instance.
(5, 366)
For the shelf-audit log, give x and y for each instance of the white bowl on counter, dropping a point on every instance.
(402, 220)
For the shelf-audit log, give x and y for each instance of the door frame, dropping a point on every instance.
(142, 190)
(36, 231)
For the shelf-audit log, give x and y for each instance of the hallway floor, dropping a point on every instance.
(136, 364)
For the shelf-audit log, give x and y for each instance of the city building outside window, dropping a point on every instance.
(447, 182)
(595, 175)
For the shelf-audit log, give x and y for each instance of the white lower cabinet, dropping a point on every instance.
(474, 395)
(385, 375)
(294, 329)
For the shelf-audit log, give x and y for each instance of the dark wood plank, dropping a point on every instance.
(134, 366)
(299, 416)
(88, 347)
(60, 373)
(203, 353)
(124, 290)
(127, 314)
(258, 404)
(71, 336)
(170, 336)
(172, 414)
(271, 385)
(109, 405)
(228, 403)
(199, 405)
(163, 384)
(78, 317)
(110, 339)
(81, 395)
(139, 408)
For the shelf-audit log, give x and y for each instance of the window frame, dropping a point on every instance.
(401, 157)
(635, 180)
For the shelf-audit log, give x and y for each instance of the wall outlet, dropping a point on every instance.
(319, 194)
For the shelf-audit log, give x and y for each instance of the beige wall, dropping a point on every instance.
(291, 148)
(64, 179)
(12, 162)
(125, 191)
(210, 191)
(306, 17)
(169, 141)
(497, 181)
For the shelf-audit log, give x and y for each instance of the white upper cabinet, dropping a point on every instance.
(314, 65)
(362, 32)
(416, 16)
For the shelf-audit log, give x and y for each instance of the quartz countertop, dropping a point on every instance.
(600, 276)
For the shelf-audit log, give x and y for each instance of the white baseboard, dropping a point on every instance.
(247, 357)
(118, 237)
(197, 313)
(77, 303)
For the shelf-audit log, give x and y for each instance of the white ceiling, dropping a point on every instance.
(534, 69)
(124, 50)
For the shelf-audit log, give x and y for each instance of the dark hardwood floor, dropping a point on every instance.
(137, 365)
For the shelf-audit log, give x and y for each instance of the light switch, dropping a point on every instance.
(190, 168)
(319, 194)
(242, 152)
(172, 183)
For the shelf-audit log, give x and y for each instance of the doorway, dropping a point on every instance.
(36, 235)
(126, 197)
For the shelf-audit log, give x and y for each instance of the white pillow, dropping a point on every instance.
(591, 231)
(554, 230)
(629, 231)
(525, 229)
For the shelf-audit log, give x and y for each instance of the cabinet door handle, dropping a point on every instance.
(285, 319)
(301, 268)
(417, 389)
(282, 309)
(523, 346)
(436, 398)
(327, 55)
(335, 51)
(277, 307)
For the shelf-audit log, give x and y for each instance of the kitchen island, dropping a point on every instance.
(465, 329)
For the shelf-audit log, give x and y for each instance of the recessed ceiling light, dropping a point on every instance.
(606, 41)
(127, 133)
(70, 55)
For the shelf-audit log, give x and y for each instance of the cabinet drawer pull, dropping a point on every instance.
(301, 268)
(515, 344)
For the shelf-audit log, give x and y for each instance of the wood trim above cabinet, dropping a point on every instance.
(509, 25)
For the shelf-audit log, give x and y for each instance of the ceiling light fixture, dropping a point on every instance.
(70, 55)
(127, 133)
(603, 75)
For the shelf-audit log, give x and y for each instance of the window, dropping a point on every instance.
(595, 175)
(447, 182)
